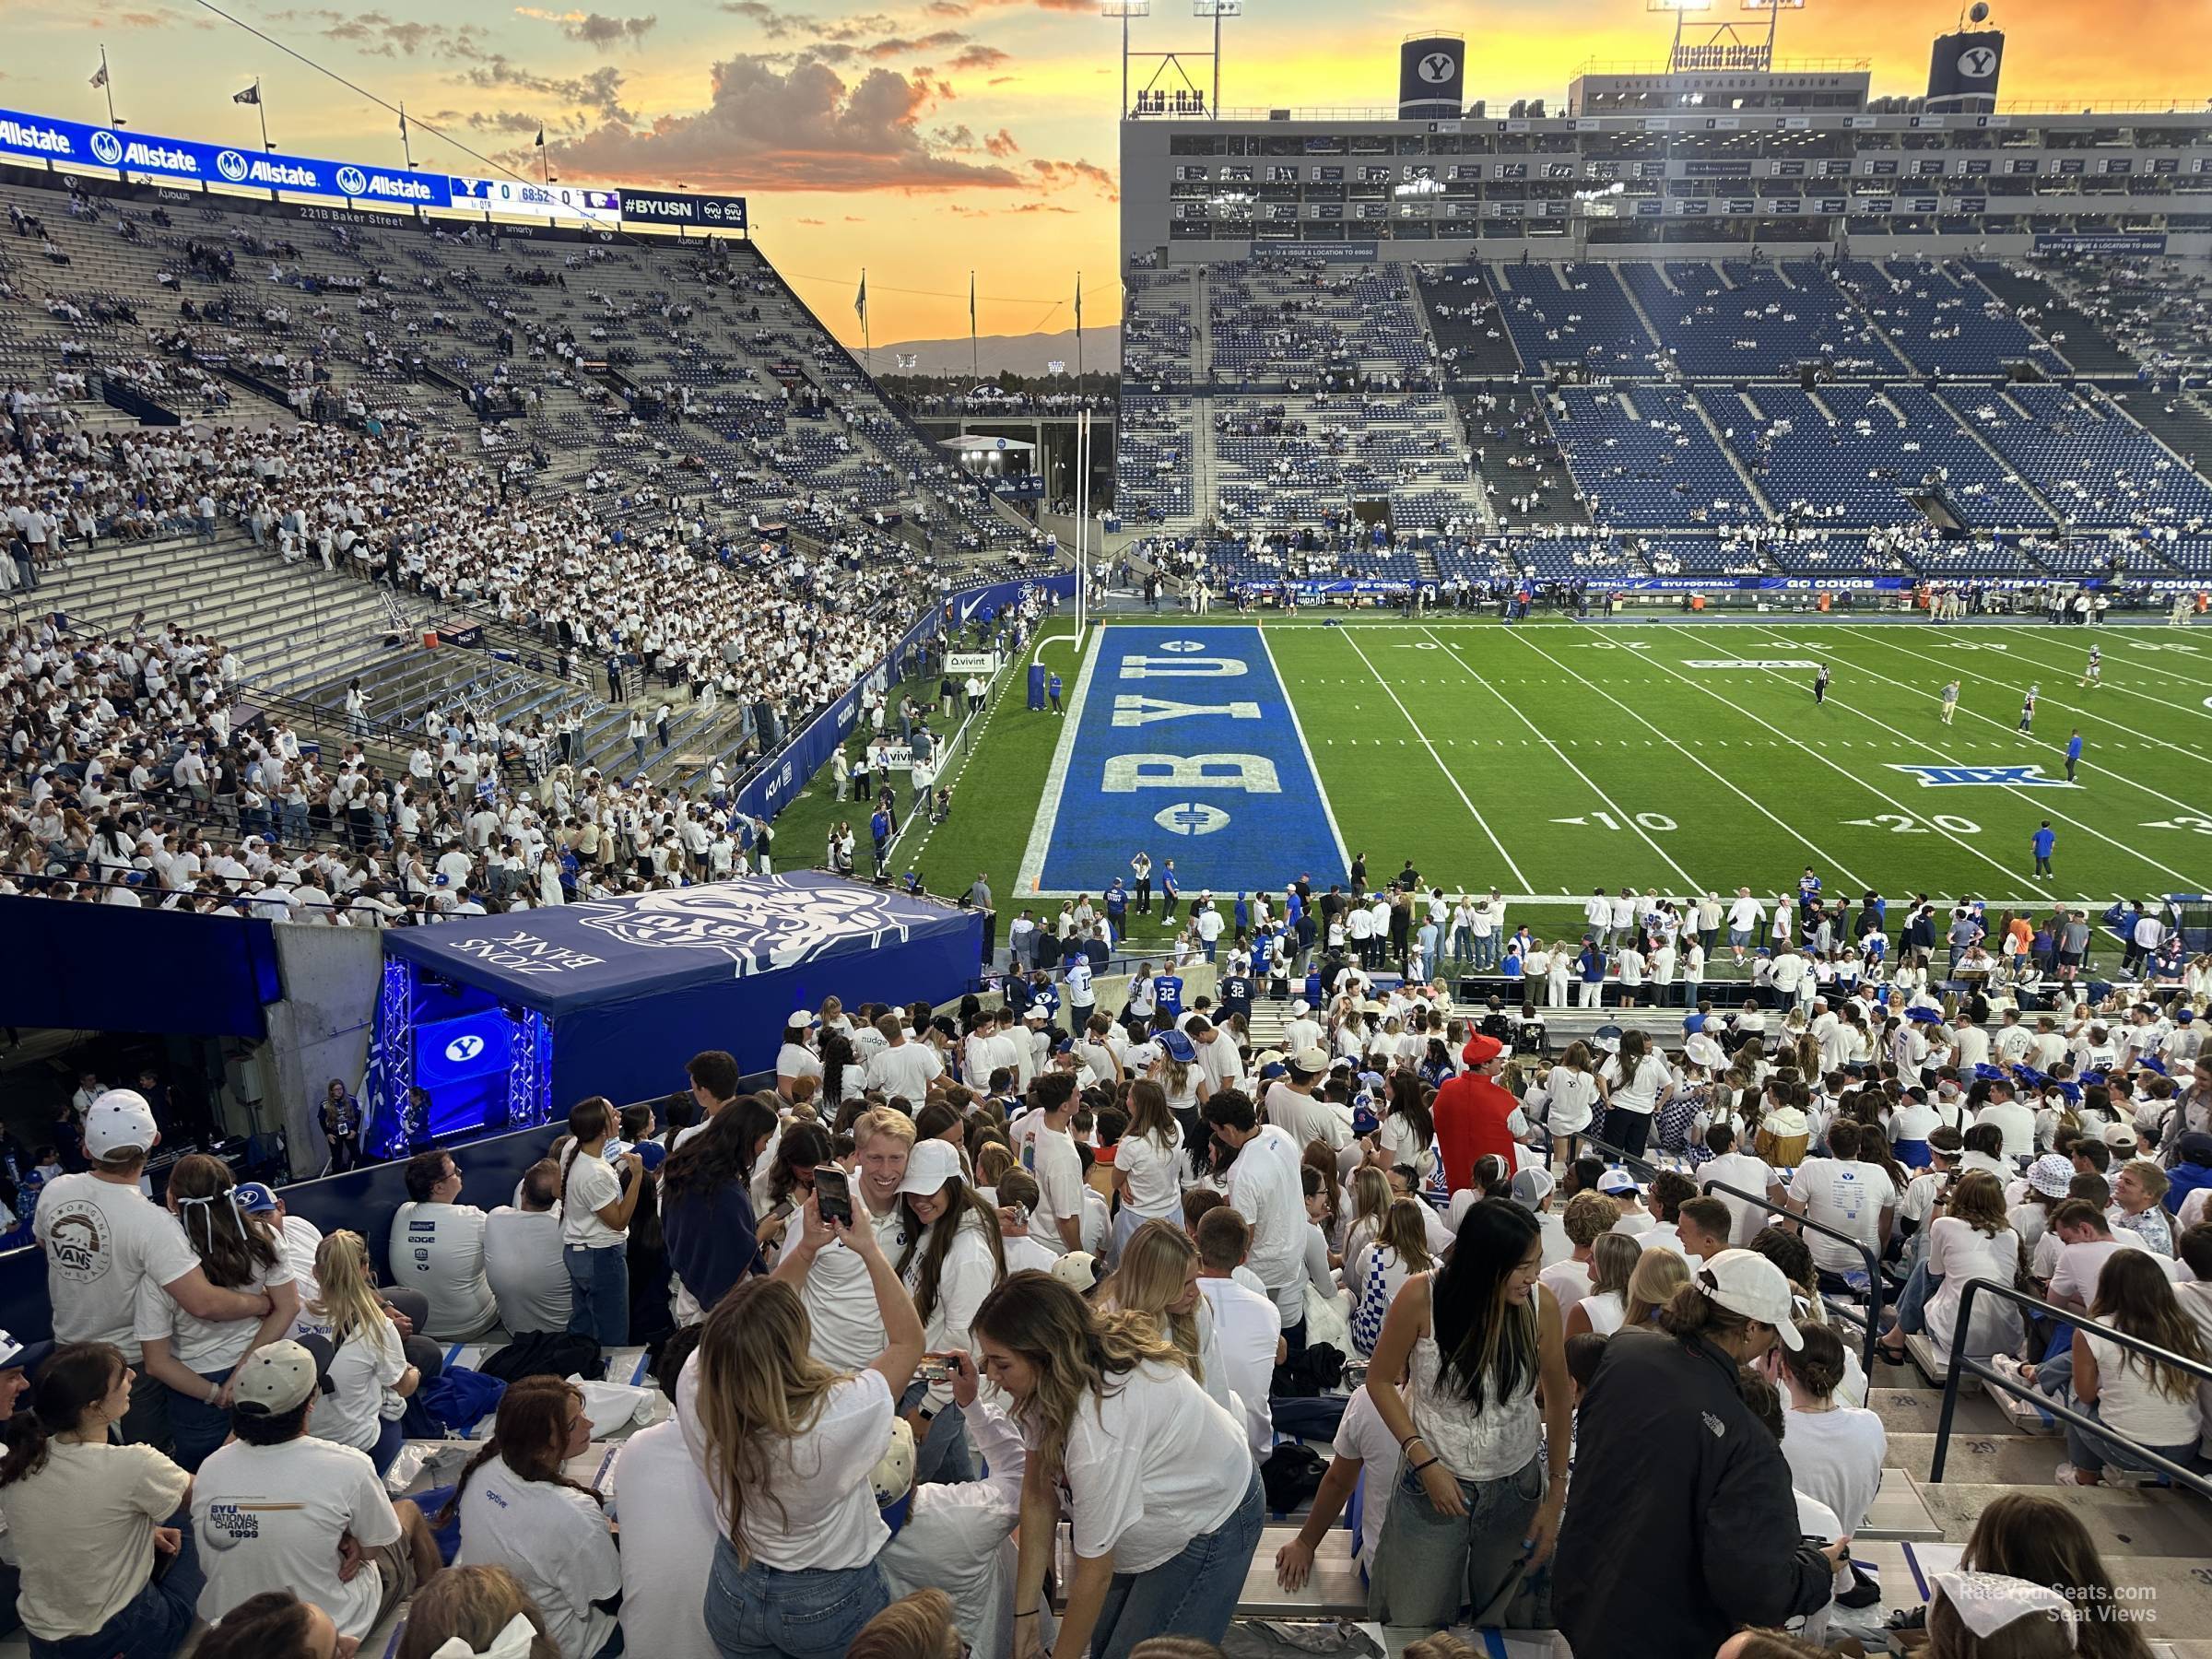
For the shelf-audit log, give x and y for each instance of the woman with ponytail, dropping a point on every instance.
(363, 1365)
(518, 1510)
(594, 1208)
(86, 1518)
(195, 1357)
(1158, 1479)
(1157, 1276)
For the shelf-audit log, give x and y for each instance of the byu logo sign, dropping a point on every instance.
(463, 1049)
(2002, 777)
(1191, 817)
(1436, 68)
(1977, 63)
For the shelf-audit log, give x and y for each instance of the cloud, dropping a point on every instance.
(796, 127)
(600, 91)
(382, 35)
(981, 57)
(1000, 144)
(504, 121)
(1040, 207)
(603, 31)
(810, 221)
(898, 46)
(1061, 175)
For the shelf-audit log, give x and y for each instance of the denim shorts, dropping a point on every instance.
(756, 1612)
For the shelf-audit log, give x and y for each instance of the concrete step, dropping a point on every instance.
(2126, 1521)
(1982, 1459)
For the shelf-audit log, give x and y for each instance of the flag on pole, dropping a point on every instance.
(541, 138)
(402, 122)
(1079, 305)
(100, 75)
(860, 300)
(972, 304)
(251, 95)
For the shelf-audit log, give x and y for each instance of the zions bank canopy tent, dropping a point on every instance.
(506, 1020)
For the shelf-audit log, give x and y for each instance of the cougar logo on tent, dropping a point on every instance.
(232, 166)
(757, 924)
(352, 181)
(107, 147)
(1977, 63)
(1436, 68)
(464, 1048)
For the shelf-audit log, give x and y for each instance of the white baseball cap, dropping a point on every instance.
(1616, 1181)
(929, 1166)
(1745, 1282)
(804, 1016)
(120, 1119)
(1309, 1060)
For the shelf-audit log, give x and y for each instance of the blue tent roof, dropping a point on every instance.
(561, 959)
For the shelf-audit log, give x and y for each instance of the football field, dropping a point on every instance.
(1551, 758)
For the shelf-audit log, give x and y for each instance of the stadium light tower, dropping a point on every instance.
(1124, 10)
(1725, 45)
(1217, 10)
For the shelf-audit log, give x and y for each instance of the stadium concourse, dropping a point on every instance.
(1238, 1200)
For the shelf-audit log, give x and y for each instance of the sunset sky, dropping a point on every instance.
(932, 135)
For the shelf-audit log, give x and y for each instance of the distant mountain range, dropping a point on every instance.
(996, 354)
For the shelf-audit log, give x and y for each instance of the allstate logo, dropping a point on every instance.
(758, 924)
(107, 147)
(462, 1050)
(352, 181)
(231, 165)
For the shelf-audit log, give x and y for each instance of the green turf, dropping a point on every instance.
(1464, 745)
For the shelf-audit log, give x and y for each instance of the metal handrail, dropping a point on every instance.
(1870, 1320)
(1991, 1377)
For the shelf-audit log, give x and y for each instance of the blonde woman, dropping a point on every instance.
(1147, 1163)
(1555, 977)
(788, 1444)
(1398, 1251)
(1370, 1200)
(1158, 1279)
(1575, 1093)
(1613, 1260)
(1158, 1481)
(366, 1372)
(480, 1608)
(1658, 1274)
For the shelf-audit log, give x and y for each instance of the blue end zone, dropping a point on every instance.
(1184, 745)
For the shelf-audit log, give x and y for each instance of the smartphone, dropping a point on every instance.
(934, 1369)
(832, 1194)
(783, 1209)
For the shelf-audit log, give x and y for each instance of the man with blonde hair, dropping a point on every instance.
(834, 1285)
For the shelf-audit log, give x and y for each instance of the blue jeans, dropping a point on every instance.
(1192, 1593)
(756, 1612)
(157, 1617)
(945, 1456)
(598, 1293)
(1437, 1564)
(196, 1428)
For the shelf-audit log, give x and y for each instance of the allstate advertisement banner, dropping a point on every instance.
(44, 139)
(683, 207)
(1180, 743)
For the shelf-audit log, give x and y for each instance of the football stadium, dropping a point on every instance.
(1497, 943)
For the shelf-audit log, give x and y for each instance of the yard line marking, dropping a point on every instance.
(1055, 780)
(1758, 805)
(1483, 822)
(2041, 803)
(1834, 766)
(2080, 710)
(1344, 858)
(2130, 661)
(1628, 818)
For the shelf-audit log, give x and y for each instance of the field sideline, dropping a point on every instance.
(1551, 758)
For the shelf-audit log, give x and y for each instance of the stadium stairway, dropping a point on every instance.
(2180, 420)
(2044, 307)
(1735, 462)
(1636, 305)
(1950, 400)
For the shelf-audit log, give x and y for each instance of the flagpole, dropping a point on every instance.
(107, 84)
(867, 344)
(261, 108)
(975, 361)
(406, 146)
(1082, 520)
(1079, 333)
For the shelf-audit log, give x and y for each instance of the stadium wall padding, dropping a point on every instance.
(363, 1200)
(321, 1029)
(107, 967)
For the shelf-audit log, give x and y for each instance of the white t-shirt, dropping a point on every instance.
(199, 1344)
(2080, 1265)
(1266, 1186)
(554, 1541)
(667, 1507)
(1154, 1177)
(522, 1260)
(1835, 1457)
(81, 1530)
(1246, 1329)
(816, 1508)
(270, 1518)
(1050, 1156)
(592, 1185)
(1155, 1465)
(840, 1299)
(1848, 1198)
(906, 1071)
(1752, 1175)
(1362, 1433)
(1024, 1254)
(101, 1237)
(2129, 1403)
(438, 1248)
(1568, 1281)
(1308, 1118)
(1639, 1093)
(366, 1363)
(796, 1060)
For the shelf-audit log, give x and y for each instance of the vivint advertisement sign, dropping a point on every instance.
(72, 143)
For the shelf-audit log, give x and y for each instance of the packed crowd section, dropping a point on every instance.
(1068, 1252)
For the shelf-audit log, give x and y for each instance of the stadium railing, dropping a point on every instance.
(1963, 1364)
(1867, 1319)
